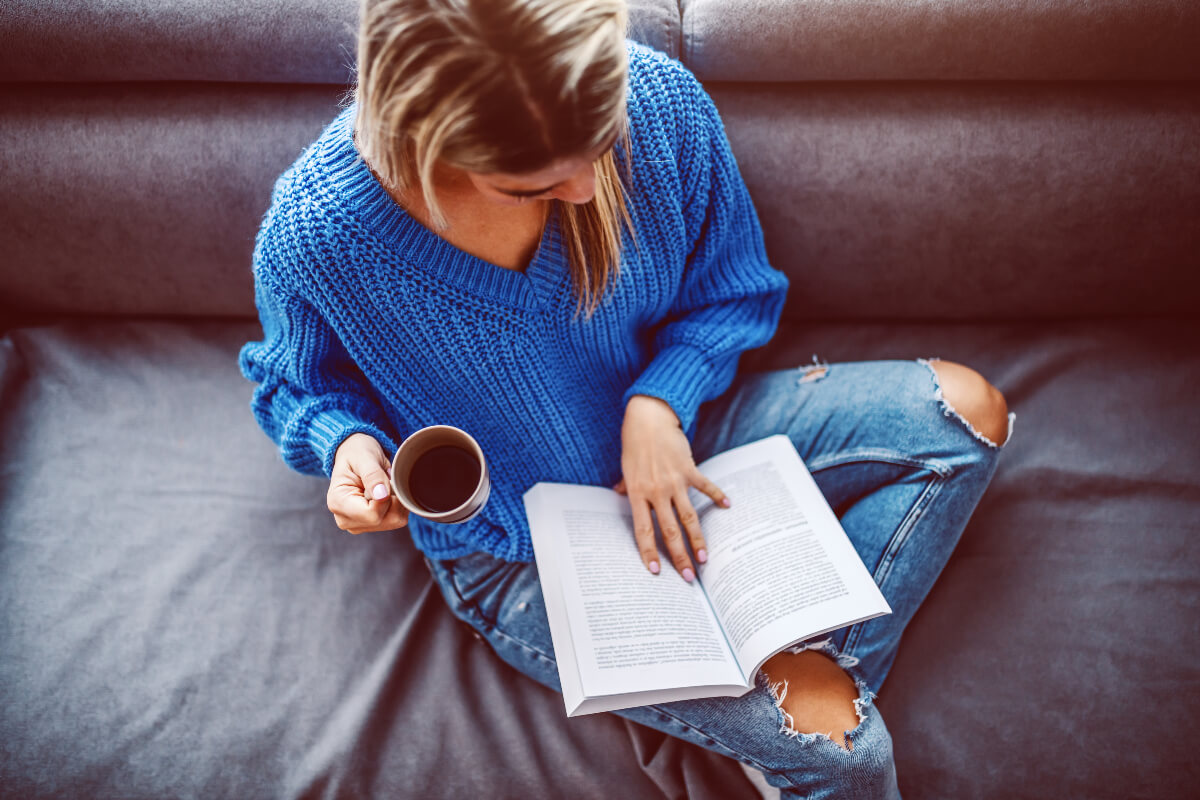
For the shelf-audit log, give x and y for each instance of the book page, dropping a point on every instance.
(631, 631)
(780, 567)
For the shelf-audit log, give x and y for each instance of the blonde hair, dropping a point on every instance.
(501, 86)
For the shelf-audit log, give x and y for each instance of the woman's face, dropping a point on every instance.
(572, 180)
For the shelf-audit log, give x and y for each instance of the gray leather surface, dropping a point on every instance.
(904, 200)
(312, 41)
(853, 40)
(1064, 625)
(256, 41)
(987, 201)
(180, 618)
(143, 198)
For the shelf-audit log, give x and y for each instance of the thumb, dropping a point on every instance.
(376, 484)
(372, 472)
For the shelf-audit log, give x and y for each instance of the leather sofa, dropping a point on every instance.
(1011, 185)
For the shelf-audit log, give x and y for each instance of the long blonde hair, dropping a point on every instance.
(501, 86)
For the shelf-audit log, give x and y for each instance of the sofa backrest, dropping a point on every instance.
(916, 159)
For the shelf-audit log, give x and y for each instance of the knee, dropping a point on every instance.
(814, 694)
(970, 394)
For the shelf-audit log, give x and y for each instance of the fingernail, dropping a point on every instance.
(379, 492)
(702, 555)
(688, 575)
(654, 567)
(724, 502)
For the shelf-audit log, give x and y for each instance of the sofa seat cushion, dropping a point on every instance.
(1067, 613)
(180, 617)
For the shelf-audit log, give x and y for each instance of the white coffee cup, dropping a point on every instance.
(439, 473)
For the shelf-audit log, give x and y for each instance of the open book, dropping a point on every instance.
(780, 570)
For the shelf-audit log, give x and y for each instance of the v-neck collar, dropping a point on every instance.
(365, 195)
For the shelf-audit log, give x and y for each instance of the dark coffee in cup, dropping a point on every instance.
(439, 473)
(444, 478)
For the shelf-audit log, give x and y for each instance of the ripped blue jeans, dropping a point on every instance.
(902, 470)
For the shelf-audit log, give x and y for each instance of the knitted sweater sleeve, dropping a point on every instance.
(730, 298)
(310, 394)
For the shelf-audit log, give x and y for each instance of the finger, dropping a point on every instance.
(643, 534)
(372, 474)
(345, 499)
(395, 517)
(356, 513)
(385, 510)
(673, 536)
(709, 488)
(691, 525)
(620, 487)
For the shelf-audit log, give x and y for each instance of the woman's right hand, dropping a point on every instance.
(360, 491)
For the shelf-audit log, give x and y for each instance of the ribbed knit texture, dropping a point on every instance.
(372, 323)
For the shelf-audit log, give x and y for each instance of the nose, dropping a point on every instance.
(579, 188)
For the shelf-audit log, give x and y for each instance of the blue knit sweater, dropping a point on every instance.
(372, 323)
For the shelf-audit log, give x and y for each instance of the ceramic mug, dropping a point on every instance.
(439, 473)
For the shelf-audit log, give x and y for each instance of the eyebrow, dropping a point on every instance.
(534, 192)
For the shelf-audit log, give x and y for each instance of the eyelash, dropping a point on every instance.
(532, 195)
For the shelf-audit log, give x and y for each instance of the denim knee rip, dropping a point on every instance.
(813, 372)
(950, 411)
(778, 690)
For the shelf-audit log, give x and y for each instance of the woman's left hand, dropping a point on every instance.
(656, 460)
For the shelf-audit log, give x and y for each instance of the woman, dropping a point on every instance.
(534, 230)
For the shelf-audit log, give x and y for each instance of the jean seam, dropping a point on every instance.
(940, 472)
(895, 544)
(901, 535)
(732, 752)
(841, 457)
(493, 628)
(462, 601)
(487, 626)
